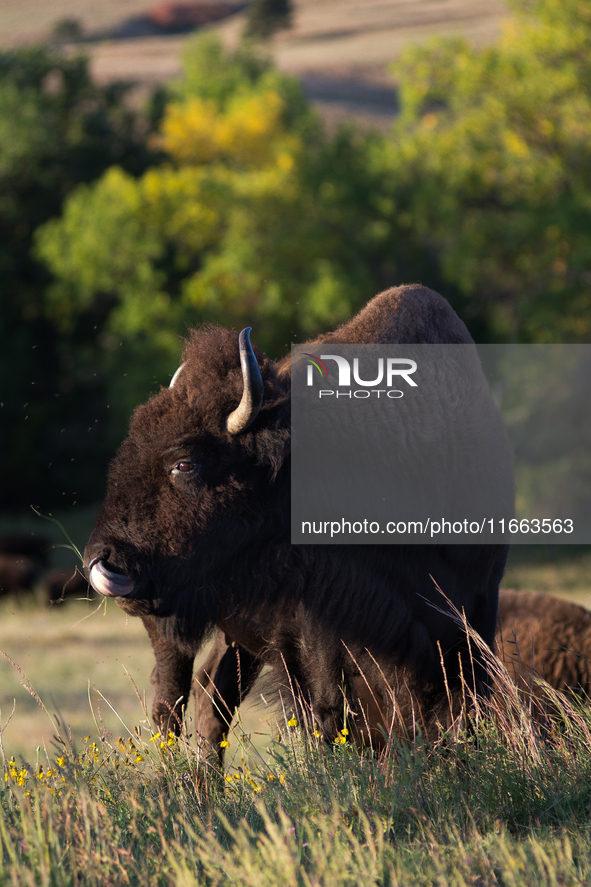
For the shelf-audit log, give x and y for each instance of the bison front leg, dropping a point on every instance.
(221, 684)
(171, 678)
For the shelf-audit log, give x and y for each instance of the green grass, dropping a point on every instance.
(88, 663)
(503, 804)
(71, 653)
(563, 570)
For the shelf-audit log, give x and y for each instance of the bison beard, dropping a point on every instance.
(194, 537)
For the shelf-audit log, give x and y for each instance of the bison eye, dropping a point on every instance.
(184, 468)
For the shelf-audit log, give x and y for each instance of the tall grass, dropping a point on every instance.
(504, 800)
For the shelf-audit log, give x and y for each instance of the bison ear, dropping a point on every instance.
(252, 396)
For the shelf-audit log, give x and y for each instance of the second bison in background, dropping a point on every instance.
(62, 582)
(547, 636)
(17, 574)
(194, 536)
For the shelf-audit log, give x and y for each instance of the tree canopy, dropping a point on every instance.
(492, 153)
(57, 129)
(249, 219)
(265, 17)
(228, 202)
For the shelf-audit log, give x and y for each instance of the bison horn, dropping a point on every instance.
(252, 396)
(176, 375)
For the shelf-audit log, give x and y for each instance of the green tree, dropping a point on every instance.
(249, 214)
(57, 129)
(254, 216)
(68, 29)
(265, 17)
(492, 156)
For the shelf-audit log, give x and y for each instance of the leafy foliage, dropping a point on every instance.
(57, 129)
(265, 17)
(67, 29)
(239, 209)
(494, 148)
(249, 219)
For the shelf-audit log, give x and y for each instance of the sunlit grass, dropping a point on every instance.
(66, 651)
(506, 802)
(85, 660)
(562, 570)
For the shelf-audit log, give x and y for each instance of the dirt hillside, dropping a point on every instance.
(340, 48)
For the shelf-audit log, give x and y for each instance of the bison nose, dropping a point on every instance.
(95, 552)
(104, 577)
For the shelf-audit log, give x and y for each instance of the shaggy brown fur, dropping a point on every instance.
(61, 583)
(26, 544)
(209, 549)
(17, 574)
(538, 635)
(546, 635)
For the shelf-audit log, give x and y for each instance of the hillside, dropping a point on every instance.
(340, 48)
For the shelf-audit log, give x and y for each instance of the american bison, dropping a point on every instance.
(194, 537)
(64, 582)
(546, 636)
(26, 544)
(17, 574)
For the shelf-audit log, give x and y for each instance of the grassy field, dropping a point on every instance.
(71, 653)
(561, 570)
(505, 804)
(88, 664)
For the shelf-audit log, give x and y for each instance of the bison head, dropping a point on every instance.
(197, 479)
